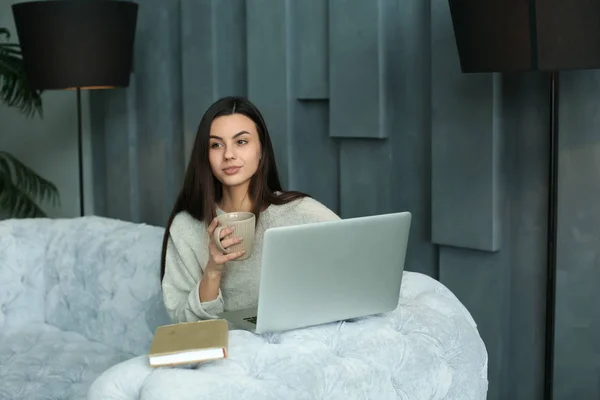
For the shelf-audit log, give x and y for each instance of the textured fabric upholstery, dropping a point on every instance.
(428, 348)
(76, 297)
(39, 361)
(80, 300)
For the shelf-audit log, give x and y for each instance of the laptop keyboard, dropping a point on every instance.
(252, 320)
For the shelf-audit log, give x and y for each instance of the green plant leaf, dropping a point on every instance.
(21, 188)
(15, 90)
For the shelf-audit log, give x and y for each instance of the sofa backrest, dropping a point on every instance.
(102, 280)
(22, 261)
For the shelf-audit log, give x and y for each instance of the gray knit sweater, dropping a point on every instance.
(187, 255)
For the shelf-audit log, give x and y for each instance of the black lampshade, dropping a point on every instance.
(76, 43)
(522, 35)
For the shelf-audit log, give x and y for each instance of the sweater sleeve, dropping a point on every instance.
(183, 274)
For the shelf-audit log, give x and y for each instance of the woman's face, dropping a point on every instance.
(234, 149)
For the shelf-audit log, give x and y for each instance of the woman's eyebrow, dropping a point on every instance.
(234, 136)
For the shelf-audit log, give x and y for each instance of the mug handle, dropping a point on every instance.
(217, 239)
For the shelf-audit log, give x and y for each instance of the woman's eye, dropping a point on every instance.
(242, 141)
(214, 145)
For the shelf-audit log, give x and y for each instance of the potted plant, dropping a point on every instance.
(22, 190)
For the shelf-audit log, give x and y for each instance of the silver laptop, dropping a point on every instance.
(330, 271)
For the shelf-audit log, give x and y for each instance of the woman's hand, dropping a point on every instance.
(217, 259)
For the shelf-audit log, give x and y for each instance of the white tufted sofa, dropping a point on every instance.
(77, 296)
(80, 299)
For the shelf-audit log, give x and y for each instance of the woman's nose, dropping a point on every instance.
(229, 153)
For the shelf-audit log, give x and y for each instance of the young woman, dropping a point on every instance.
(232, 168)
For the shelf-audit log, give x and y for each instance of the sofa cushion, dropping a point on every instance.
(22, 262)
(39, 361)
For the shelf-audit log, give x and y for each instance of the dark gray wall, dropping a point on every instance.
(370, 113)
(578, 308)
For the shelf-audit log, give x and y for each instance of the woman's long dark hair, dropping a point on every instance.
(201, 191)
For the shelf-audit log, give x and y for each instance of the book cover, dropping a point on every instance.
(189, 343)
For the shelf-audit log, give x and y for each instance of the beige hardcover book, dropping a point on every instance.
(189, 343)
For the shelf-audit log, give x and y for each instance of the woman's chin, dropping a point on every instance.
(234, 181)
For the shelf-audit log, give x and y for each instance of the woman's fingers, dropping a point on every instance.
(230, 242)
(225, 232)
(226, 242)
(223, 258)
(212, 226)
(233, 256)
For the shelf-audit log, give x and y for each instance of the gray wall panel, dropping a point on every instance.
(199, 87)
(159, 110)
(465, 129)
(229, 47)
(577, 304)
(132, 141)
(365, 178)
(356, 62)
(121, 131)
(410, 141)
(311, 55)
(98, 121)
(315, 154)
(114, 135)
(213, 62)
(526, 137)
(269, 80)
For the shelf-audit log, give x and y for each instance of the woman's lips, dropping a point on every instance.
(231, 170)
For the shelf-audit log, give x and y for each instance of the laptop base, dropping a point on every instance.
(241, 319)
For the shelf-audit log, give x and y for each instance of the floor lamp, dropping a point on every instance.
(528, 35)
(74, 44)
